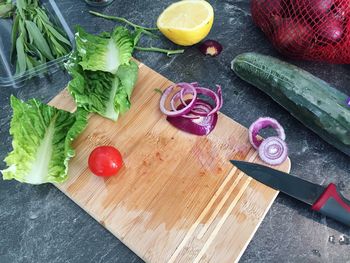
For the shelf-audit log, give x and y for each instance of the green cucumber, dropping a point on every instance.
(312, 101)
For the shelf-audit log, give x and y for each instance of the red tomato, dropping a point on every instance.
(105, 161)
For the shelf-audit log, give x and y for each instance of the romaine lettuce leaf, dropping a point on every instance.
(102, 92)
(104, 52)
(127, 75)
(42, 137)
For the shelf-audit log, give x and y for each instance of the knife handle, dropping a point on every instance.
(332, 204)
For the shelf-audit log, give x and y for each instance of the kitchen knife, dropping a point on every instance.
(326, 200)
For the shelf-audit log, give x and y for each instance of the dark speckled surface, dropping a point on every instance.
(40, 224)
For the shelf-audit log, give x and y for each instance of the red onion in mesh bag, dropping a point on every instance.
(331, 30)
(306, 29)
(291, 36)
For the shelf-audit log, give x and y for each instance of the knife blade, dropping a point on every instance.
(326, 200)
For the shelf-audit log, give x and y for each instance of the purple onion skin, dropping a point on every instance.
(319, 7)
(339, 13)
(265, 8)
(187, 125)
(348, 102)
(292, 35)
(210, 47)
(331, 29)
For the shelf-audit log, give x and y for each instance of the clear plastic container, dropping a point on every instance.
(7, 69)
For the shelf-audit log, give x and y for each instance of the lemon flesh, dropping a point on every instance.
(186, 22)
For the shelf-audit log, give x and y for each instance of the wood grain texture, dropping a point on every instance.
(177, 198)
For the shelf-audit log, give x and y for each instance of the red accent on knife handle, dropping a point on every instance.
(333, 204)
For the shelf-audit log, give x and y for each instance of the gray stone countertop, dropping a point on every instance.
(40, 224)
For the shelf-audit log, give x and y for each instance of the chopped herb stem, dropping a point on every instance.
(122, 19)
(161, 50)
(158, 91)
(144, 31)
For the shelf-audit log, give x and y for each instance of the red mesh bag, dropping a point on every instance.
(306, 29)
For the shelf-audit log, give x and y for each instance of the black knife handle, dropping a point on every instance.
(332, 204)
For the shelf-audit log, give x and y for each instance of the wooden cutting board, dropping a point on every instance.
(177, 198)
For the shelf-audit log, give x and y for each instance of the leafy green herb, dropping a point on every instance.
(6, 8)
(42, 41)
(57, 35)
(14, 35)
(42, 138)
(21, 57)
(38, 39)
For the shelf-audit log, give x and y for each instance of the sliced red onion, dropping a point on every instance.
(212, 95)
(201, 126)
(209, 93)
(173, 106)
(189, 115)
(273, 151)
(193, 115)
(263, 123)
(174, 98)
(186, 88)
(201, 108)
(348, 102)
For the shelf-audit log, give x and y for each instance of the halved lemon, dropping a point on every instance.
(186, 22)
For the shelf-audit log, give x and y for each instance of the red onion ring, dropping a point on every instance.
(213, 95)
(199, 111)
(219, 92)
(174, 98)
(202, 107)
(209, 93)
(263, 123)
(182, 105)
(273, 151)
(185, 87)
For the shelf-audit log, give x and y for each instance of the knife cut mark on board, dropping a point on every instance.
(223, 200)
(223, 219)
(217, 210)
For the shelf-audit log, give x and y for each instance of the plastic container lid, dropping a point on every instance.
(7, 68)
